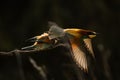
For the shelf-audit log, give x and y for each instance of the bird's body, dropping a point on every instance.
(41, 42)
(73, 37)
(80, 39)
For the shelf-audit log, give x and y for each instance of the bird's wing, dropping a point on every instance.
(55, 31)
(88, 44)
(79, 57)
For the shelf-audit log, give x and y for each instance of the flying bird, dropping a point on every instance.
(41, 42)
(77, 41)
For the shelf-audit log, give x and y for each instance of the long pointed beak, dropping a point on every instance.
(28, 47)
(98, 33)
(33, 39)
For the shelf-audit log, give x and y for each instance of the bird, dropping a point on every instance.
(80, 39)
(41, 42)
(77, 41)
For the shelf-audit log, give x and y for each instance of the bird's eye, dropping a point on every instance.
(54, 41)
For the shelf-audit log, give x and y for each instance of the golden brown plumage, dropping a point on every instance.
(73, 37)
(41, 42)
(79, 36)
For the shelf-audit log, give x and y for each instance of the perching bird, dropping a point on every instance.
(77, 41)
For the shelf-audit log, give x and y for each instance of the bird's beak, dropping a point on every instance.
(28, 47)
(33, 39)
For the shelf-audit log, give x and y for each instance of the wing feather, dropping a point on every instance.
(55, 31)
(79, 57)
(89, 45)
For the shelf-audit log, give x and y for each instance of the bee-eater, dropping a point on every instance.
(41, 42)
(78, 41)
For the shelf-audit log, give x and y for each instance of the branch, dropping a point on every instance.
(11, 53)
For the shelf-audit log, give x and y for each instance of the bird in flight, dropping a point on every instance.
(77, 41)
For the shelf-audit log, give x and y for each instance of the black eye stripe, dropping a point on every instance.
(91, 33)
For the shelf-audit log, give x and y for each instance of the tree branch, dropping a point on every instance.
(11, 53)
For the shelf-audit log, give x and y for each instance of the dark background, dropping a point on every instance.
(23, 19)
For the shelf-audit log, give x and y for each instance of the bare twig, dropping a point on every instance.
(11, 53)
(20, 68)
(38, 68)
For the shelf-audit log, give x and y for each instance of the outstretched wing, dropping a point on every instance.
(88, 44)
(79, 56)
(55, 31)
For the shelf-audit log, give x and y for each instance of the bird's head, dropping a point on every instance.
(41, 38)
(88, 34)
(41, 42)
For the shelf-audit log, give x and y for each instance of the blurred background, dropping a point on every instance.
(23, 19)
